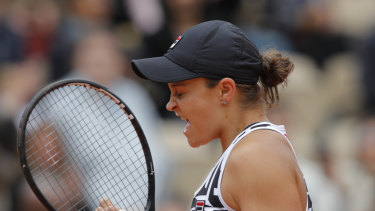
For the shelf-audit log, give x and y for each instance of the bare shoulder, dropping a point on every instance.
(261, 172)
(263, 154)
(263, 148)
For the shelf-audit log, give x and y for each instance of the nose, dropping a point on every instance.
(171, 105)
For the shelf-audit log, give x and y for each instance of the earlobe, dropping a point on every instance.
(227, 88)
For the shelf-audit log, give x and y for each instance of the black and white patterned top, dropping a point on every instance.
(208, 197)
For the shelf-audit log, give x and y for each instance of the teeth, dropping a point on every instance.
(186, 126)
(178, 115)
(182, 118)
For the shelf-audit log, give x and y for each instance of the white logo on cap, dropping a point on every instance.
(175, 42)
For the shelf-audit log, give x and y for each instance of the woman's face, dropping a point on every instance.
(193, 101)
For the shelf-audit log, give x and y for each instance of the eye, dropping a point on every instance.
(179, 94)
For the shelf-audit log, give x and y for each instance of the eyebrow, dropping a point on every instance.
(176, 84)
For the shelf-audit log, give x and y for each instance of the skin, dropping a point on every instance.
(106, 205)
(261, 172)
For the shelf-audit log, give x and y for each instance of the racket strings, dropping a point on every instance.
(105, 118)
(35, 159)
(131, 137)
(91, 136)
(53, 174)
(109, 119)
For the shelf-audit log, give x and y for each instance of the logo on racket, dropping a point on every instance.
(175, 42)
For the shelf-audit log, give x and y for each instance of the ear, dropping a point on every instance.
(227, 88)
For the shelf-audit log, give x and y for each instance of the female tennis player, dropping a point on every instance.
(222, 87)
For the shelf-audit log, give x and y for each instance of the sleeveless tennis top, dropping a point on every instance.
(208, 197)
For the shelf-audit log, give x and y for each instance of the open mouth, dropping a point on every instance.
(187, 126)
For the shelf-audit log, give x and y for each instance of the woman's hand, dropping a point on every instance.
(106, 205)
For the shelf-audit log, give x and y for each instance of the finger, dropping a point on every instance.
(99, 209)
(105, 203)
(111, 208)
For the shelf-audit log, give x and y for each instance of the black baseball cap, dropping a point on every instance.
(213, 49)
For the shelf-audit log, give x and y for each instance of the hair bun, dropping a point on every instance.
(275, 68)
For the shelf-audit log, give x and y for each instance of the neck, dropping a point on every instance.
(235, 124)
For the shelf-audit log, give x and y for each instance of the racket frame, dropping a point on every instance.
(150, 206)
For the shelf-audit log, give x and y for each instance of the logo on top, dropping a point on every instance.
(175, 42)
(199, 206)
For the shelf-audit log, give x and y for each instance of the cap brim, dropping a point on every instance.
(161, 69)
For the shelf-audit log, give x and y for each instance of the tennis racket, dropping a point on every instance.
(79, 143)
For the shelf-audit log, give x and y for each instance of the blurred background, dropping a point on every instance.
(328, 107)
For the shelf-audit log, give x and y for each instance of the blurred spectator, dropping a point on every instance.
(11, 46)
(221, 9)
(29, 29)
(79, 17)
(18, 83)
(283, 14)
(8, 160)
(181, 15)
(314, 34)
(147, 15)
(366, 156)
(353, 19)
(305, 26)
(351, 145)
(13, 21)
(368, 73)
(44, 20)
(364, 194)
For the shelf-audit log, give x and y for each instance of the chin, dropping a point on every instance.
(197, 143)
(193, 144)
